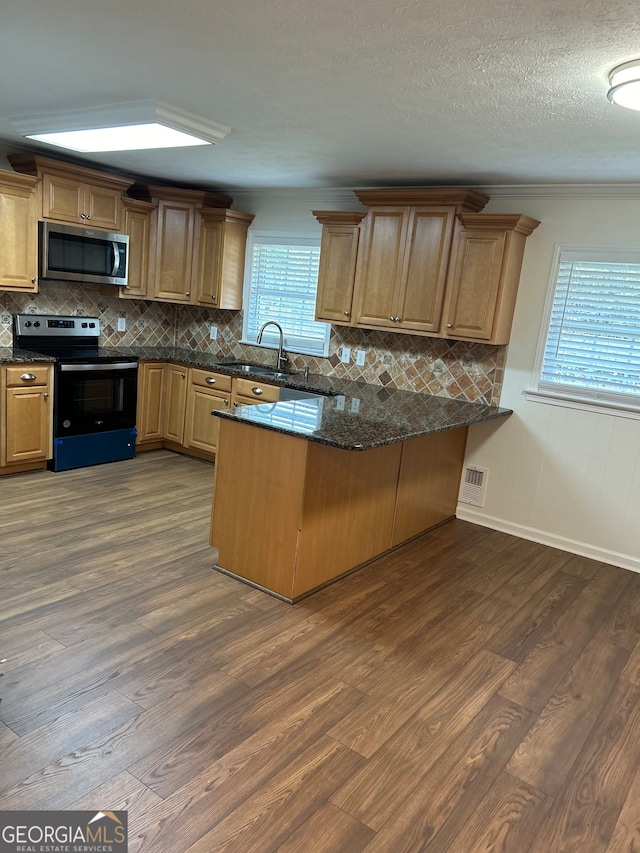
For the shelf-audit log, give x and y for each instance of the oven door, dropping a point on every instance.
(91, 398)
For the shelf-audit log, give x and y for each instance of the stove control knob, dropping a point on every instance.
(28, 324)
(37, 323)
(92, 325)
(84, 325)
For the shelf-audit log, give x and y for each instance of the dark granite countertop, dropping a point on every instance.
(370, 417)
(349, 415)
(12, 355)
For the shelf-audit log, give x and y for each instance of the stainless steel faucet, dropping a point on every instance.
(283, 358)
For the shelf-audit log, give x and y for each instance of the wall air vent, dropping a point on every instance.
(474, 486)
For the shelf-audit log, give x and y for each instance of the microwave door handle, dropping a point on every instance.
(116, 258)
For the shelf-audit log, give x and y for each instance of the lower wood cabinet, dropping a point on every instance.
(27, 418)
(206, 392)
(175, 405)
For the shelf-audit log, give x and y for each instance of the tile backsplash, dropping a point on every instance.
(411, 362)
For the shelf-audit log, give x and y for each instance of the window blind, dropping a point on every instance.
(593, 344)
(282, 287)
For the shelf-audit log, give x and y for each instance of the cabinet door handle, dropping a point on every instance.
(187, 293)
(28, 377)
(346, 313)
(183, 375)
(33, 281)
(210, 380)
(257, 391)
(46, 396)
(449, 325)
(83, 216)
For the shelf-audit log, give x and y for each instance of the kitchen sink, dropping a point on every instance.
(261, 369)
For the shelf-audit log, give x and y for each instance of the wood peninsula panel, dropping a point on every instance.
(347, 516)
(260, 476)
(429, 482)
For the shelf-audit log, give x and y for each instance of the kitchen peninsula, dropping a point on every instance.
(307, 490)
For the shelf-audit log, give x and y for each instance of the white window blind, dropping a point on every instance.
(281, 286)
(592, 348)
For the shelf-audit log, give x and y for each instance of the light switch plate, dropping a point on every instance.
(345, 355)
(213, 333)
(360, 357)
(122, 324)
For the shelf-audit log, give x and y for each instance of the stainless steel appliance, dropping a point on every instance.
(69, 253)
(95, 391)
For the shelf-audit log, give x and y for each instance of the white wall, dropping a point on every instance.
(561, 476)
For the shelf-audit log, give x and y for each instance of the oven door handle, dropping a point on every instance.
(116, 258)
(122, 365)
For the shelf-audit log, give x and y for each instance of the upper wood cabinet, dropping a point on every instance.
(18, 233)
(485, 273)
(422, 261)
(74, 194)
(199, 247)
(219, 264)
(403, 260)
(140, 223)
(338, 255)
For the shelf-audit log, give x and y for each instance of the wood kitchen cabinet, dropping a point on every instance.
(27, 428)
(74, 194)
(207, 391)
(247, 392)
(174, 402)
(485, 272)
(150, 413)
(140, 223)
(403, 260)
(337, 270)
(219, 262)
(199, 249)
(18, 233)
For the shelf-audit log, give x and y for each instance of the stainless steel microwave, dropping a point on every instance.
(69, 253)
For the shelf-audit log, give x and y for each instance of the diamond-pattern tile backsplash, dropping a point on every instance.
(428, 365)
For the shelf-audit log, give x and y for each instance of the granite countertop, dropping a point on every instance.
(13, 355)
(348, 415)
(367, 417)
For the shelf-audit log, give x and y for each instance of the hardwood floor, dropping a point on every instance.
(470, 692)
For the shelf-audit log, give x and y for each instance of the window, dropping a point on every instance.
(282, 280)
(591, 347)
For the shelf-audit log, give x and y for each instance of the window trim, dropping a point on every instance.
(581, 399)
(288, 238)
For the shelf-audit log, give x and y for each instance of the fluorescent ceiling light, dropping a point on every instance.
(131, 126)
(625, 85)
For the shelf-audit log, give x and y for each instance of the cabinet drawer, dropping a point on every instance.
(208, 379)
(261, 392)
(20, 376)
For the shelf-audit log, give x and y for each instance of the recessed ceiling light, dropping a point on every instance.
(130, 126)
(625, 85)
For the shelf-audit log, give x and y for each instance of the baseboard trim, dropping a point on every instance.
(583, 549)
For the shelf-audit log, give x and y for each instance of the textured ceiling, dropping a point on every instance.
(336, 94)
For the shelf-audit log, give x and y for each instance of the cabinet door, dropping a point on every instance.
(380, 267)
(140, 224)
(150, 416)
(424, 272)
(219, 254)
(18, 236)
(28, 425)
(474, 288)
(201, 427)
(336, 274)
(102, 207)
(174, 251)
(175, 400)
(62, 199)
(209, 263)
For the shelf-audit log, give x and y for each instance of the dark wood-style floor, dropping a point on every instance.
(471, 692)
